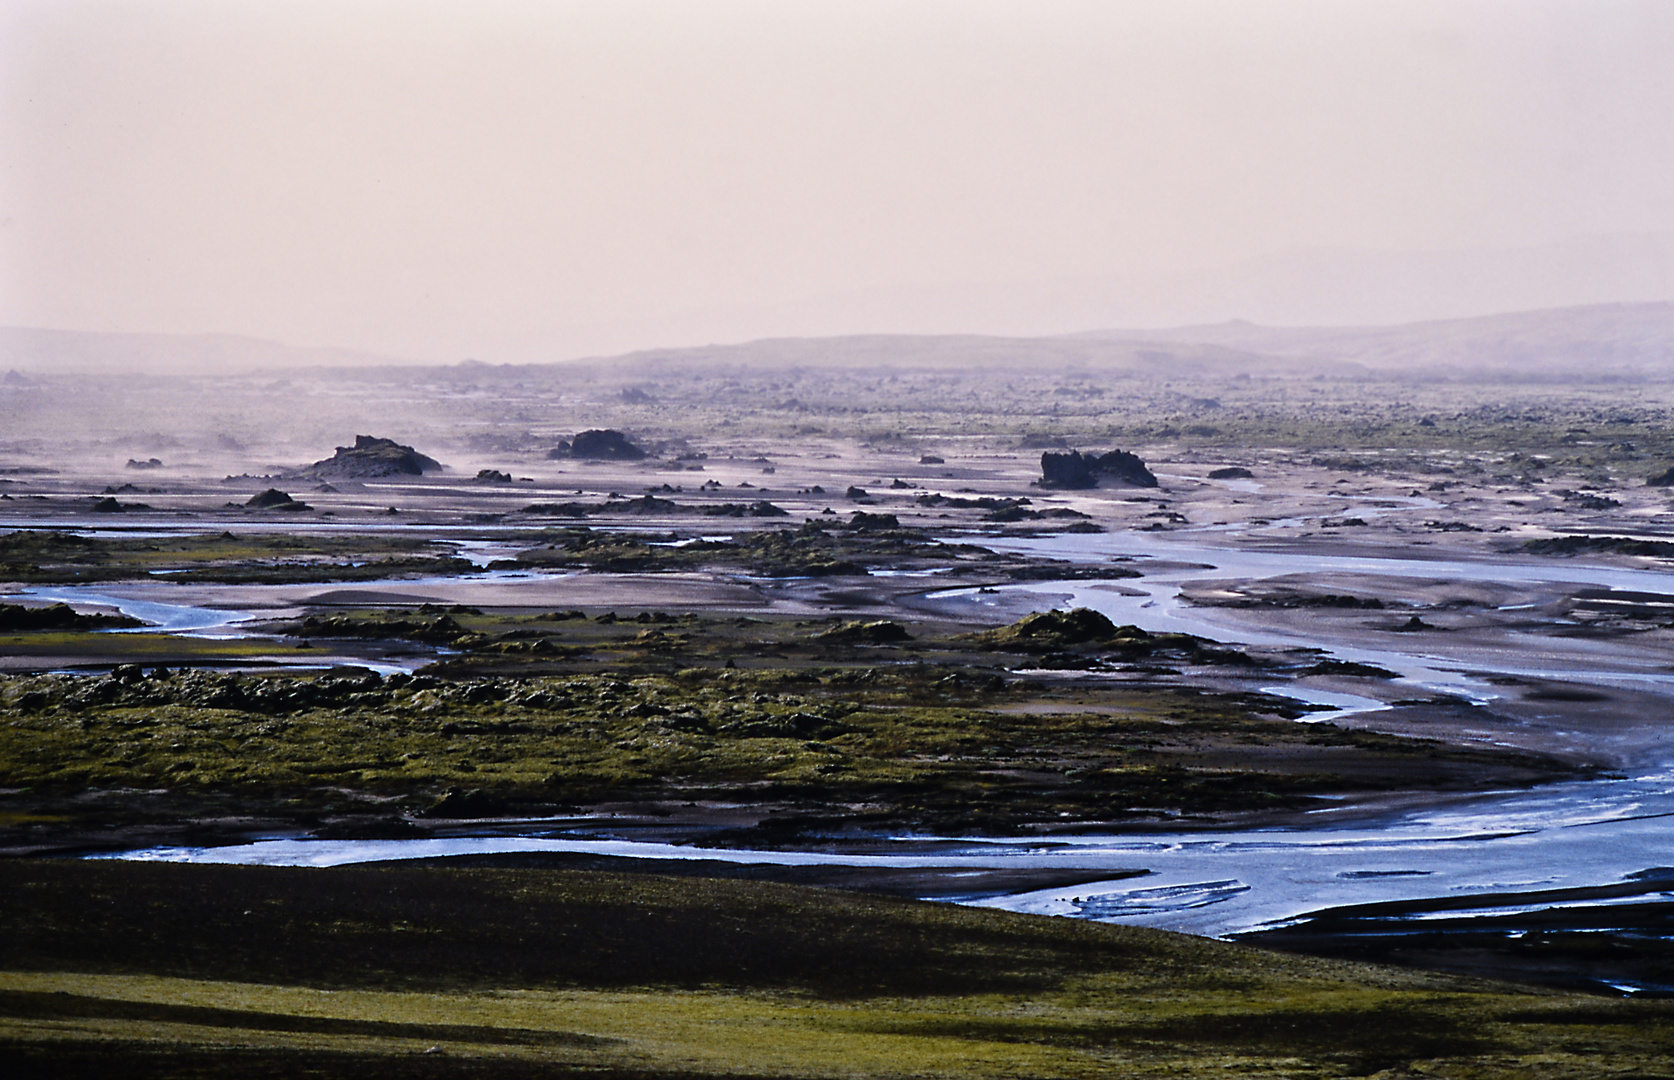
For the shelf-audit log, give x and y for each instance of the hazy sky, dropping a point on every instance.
(517, 181)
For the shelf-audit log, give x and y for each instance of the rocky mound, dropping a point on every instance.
(274, 499)
(111, 506)
(1662, 479)
(860, 632)
(599, 445)
(373, 457)
(1077, 470)
(1231, 472)
(1058, 629)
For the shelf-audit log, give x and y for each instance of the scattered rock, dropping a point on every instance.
(931, 459)
(1662, 479)
(493, 476)
(373, 457)
(759, 508)
(149, 463)
(633, 395)
(1231, 472)
(855, 492)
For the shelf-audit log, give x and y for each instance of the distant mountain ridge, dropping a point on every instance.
(1618, 340)
(78, 352)
(1628, 338)
(1599, 340)
(949, 352)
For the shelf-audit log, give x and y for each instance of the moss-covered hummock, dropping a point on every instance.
(907, 746)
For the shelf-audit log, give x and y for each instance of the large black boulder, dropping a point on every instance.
(1071, 470)
(604, 445)
(1077, 470)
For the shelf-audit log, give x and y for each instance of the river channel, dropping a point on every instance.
(1567, 835)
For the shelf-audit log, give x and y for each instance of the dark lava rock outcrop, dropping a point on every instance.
(1231, 472)
(599, 445)
(1057, 629)
(373, 457)
(759, 508)
(274, 499)
(148, 463)
(1077, 470)
(493, 476)
(111, 506)
(1662, 479)
(15, 617)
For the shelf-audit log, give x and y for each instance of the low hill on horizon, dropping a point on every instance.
(1602, 340)
(32, 350)
(1621, 338)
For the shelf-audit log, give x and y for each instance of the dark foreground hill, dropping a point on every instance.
(116, 969)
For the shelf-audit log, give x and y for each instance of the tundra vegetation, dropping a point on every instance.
(825, 713)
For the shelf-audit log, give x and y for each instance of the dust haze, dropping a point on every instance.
(540, 182)
(599, 530)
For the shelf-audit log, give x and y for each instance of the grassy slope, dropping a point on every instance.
(116, 969)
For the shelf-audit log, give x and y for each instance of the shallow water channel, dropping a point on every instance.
(1573, 834)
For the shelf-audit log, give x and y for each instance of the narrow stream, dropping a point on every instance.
(158, 616)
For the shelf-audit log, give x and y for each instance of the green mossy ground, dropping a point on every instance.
(916, 745)
(113, 969)
(812, 550)
(47, 557)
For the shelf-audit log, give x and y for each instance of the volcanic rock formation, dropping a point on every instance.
(1078, 470)
(373, 457)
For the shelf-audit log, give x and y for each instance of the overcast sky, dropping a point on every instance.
(523, 181)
